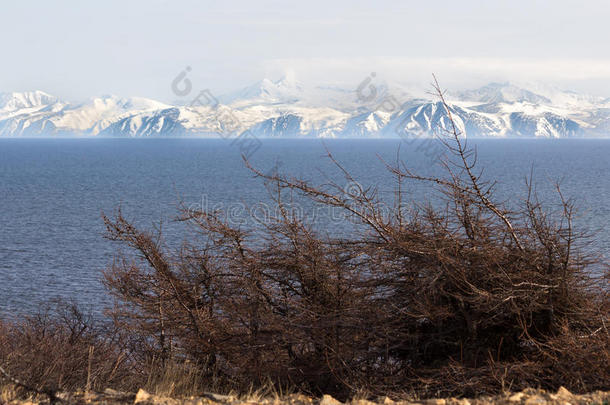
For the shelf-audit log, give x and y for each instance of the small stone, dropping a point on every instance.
(64, 396)
(362, 402)
(436, 402)
(516, 397)
(328, 400)
(114, 395)
(535, 400)
(563, 392)
(142, 396)
(294, 399)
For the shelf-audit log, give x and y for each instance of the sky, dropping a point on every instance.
(77, 49)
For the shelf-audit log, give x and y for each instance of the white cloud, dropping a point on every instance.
(592, 75)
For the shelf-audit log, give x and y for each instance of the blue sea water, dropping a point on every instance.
(53, 191)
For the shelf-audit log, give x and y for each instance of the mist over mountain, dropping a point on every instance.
(288, 108)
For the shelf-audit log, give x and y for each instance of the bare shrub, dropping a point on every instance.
(472, 297)
(60, 348)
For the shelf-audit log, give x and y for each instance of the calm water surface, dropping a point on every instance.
(52, 193)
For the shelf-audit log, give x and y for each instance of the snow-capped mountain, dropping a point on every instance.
(288, 108)
(39, 114)
(502, 93)
(31, 99)
(286, 90)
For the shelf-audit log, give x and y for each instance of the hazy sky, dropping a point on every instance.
(76, 48)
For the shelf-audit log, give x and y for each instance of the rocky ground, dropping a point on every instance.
(111, 397)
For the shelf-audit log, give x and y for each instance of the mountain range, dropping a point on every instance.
(287, 108)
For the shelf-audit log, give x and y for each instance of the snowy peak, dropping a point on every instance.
(286, 108)
(30, 99)
(164, 122)
(502, 93)
(286, 89)
(110, 102)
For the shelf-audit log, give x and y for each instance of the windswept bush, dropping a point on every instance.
(60, 348)
(471, 297)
